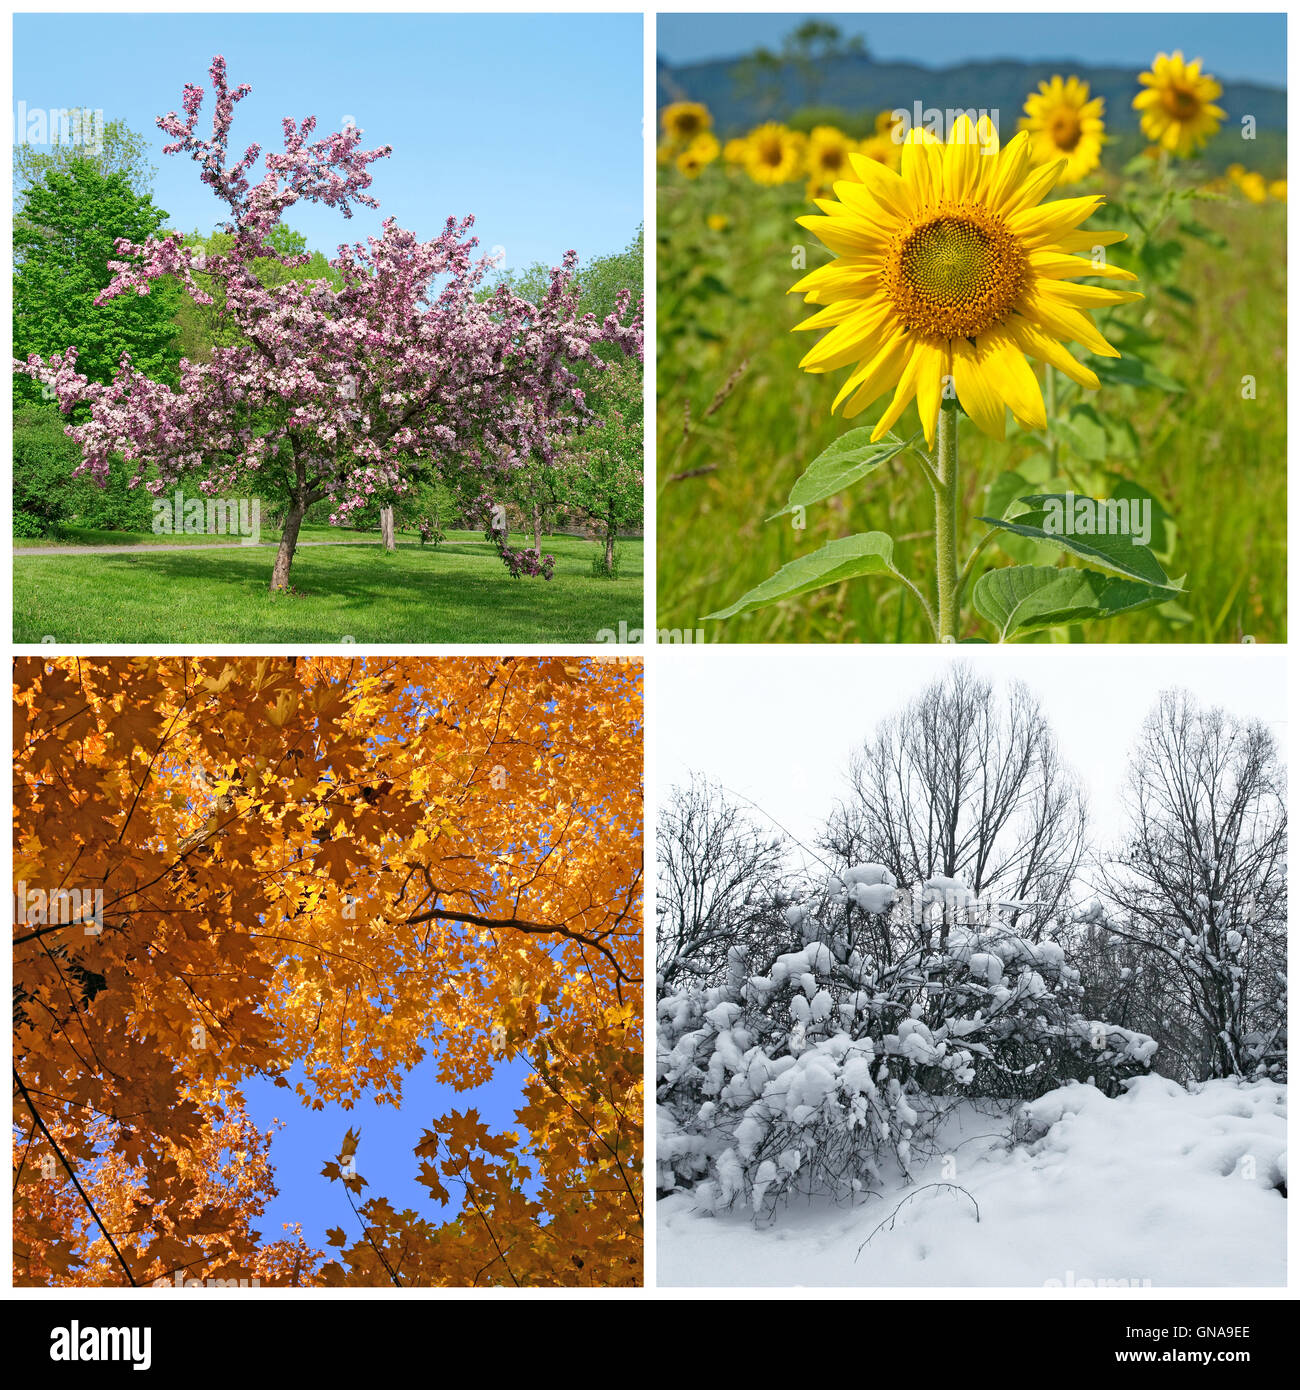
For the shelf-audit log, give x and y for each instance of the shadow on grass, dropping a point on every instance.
(457, 593)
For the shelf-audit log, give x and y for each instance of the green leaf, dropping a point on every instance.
(1029, 598)
(872, 552)
(851, 457)
(1083, 432)
(1179, 295)
(1048, 521)
(1164, 530)
(1129, 371)
(1203, 233)
(1005, 489)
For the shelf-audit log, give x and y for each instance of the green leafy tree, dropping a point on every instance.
(601, 475)
(43, 460)
(62, 246)
(760, 77)
(80, 134)
(539, 490)
(47, 496)
(201, 327)
(602, 278)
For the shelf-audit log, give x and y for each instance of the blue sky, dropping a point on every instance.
(530, 122)
(1236, 47)
(385, 1157)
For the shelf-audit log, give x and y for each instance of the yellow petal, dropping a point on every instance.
(906, 389)
(961, 161)
(934, 362)
(884, 186)
(1034, 188)
(874, 377)
(851, 341)
(1084, 296)
(1042, 225)
(1013, 378)
(1047, 349)
(923, 167)
(975, 390)
(844, 237)
(1012, 163)
(1067, 324)
(1050, 265)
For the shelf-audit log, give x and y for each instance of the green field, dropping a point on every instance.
(69, 537)
(460, 592)
(738, 422)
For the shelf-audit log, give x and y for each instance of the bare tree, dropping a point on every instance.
(718, 872)
(968, 784)
(1200, 887)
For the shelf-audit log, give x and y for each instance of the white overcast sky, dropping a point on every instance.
(779, 725)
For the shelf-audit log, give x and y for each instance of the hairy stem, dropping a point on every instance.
(945, 520)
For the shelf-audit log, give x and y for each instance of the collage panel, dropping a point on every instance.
(320, 336)
(972, 331)
(327, 973)
(977, 978)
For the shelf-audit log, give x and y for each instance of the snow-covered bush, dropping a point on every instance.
(816, 1069)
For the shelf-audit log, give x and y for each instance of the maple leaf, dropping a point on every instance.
(262, 914)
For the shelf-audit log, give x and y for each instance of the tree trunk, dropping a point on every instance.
(609, 552)
(288, 543)
(537, 527)
(386, 528)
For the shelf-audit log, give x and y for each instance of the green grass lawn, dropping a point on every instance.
(87, 535)
(458, 593)
(738, 422)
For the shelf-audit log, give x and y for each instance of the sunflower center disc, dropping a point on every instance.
(956, 274)
(1065, 130)
(1181, 104)
(770, 152)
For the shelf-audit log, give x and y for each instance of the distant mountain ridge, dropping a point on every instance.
(857, 83)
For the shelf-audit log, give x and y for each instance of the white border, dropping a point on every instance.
(649, 652)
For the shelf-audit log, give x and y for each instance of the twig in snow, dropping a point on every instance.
(889, 1220)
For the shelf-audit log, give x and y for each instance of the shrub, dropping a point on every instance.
(43, 460)
(837, 1058)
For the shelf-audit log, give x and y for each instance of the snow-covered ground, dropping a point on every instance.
(1158, 1187)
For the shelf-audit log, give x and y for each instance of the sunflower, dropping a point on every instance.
(827, 158)
(684, 120)
(1277, 189)
(702, 151)
(1177, 108)
(1064, 123)
(887, 122)
(952, 271)
(775, 154)
(1254, 186)
(736, 150)
(884, 149)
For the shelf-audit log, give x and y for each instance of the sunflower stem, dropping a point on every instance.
(927, 466)
(967, 569)
(945, 520)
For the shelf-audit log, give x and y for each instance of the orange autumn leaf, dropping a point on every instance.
(334, 868)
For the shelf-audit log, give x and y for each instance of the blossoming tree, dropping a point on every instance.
(332, 392)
